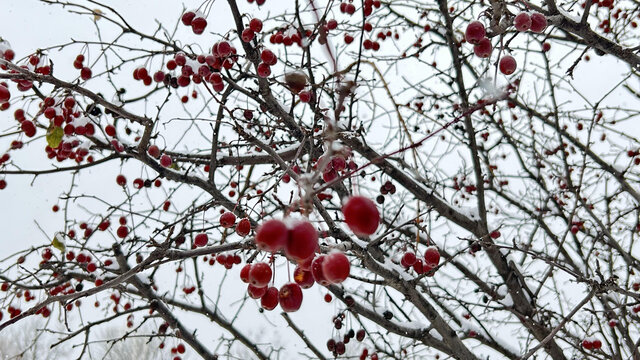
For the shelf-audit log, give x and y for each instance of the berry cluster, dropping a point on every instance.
(476, 34)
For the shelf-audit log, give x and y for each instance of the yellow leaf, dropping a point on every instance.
(58, 242)
(54, 136)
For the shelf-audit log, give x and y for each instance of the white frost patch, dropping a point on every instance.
(507, 301)
(502, 290)
(469, 211)
(435, 334)
(81, 121)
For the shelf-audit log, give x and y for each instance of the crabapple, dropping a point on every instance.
(361, 215)
(269, 300)
(483, 48)
(228, 219)
(264, 70)
(317, 270)
(256, 292)
(260, 274)
(303, 278)
(188, 17)
(154, 151)
(244, 273)
(4, 94)
(432, 256)
(408, 259)
(243, 228)
(165, 160)
(272, 235)
(201, 240)
(290, 297)
(475, 32)
(522, 21)
(336, 267)
(302, 241)
(255, 25)
(507, 65)
(538, 22)
(198, 25)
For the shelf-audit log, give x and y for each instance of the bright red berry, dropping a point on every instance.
(336, 267)
(201, 240)
(269, 300)
(244, 227)
(303, 278)
(317, 270)
(260, 274)
(290, 297)
(302, 241)
(244, 273)
(272, 235)
(227, 220)
(361, 215)
(256, 292)
(432, 256)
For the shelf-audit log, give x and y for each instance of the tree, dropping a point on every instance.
(453, 179)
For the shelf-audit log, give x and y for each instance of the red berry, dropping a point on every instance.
(110, 130)
(227, 220)
(247, 35)
(597, 344)
(244, 273)
(432, 256)
(244, 227)
(154, 151)
(268, 57)
(187, 17)
(256, 292)
(317, 270)
(201, 240)
(85, 73)
(507, 65)
(255, 25)
(538, 22)
(303, 278)
(475, 32)
(260, 274)
(272, 235)
(28, 127)
(522, 22)
(290, 297)
(269, 300)
(264, 70)
(5, 95)
(91, 267)
(122, 232)
(121, 180)
(361, 215)
(165, 160)
(483, 48)
(587, 344)
(336, 267)
(198, 25)
(302, 241)
(408, 259)
(348, 39)
(305, 96)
